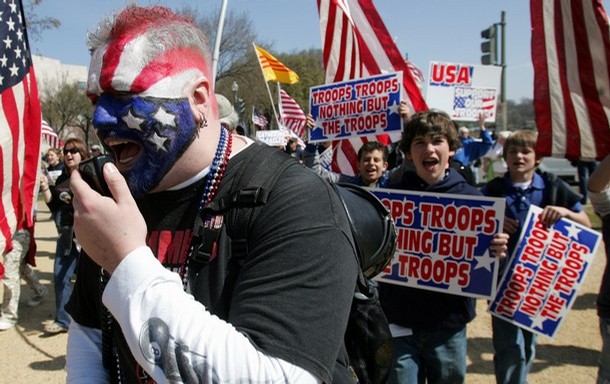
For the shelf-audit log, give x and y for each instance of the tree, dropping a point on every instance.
(65, 107)
(35, 24)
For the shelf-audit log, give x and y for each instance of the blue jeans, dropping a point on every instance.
(63, 270)
(603, 372)
(515, 349)
(438, 356)
(585, 169)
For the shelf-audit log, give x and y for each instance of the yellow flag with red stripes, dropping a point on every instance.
(273, 69)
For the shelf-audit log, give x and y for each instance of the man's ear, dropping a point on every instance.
(199, 97)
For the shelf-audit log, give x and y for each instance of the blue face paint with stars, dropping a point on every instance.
(162, 128)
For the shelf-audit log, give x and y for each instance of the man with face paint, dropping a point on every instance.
(135, 319)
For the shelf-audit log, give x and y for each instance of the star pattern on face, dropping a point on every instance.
(132, 121)
(165, 118)
(158, 142)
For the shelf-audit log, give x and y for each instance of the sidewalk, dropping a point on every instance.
(30, 356)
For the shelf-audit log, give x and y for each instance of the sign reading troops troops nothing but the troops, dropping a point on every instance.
(360, 107)
(443, 242)
(546, 271)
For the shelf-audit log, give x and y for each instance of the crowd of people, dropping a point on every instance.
(140, 303)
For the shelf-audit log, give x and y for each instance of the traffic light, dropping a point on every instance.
(489, 46)
(240, 106)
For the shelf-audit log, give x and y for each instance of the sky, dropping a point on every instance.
(425, 30)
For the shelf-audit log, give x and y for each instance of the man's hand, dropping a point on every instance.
(404, 111)
(107, 229)
(481, 121)
(552, 213)
(499, 245)
(310, 122)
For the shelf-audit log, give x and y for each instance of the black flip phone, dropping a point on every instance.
(91, 172)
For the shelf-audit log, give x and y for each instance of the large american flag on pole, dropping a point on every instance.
(357, 44)
(571, 57)
(291, 114)
(20, 125)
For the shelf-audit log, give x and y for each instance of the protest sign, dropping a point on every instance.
(274, 138)
(361, 107)
(443, 241)
(545, 273)
(463, 90)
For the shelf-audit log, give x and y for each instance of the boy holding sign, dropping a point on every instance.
(429, 328)
(523, 186)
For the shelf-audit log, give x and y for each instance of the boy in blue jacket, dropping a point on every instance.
(429, 328)
(523, 186)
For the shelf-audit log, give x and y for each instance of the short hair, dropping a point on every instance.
(57, 151)
(162, 32)
(371, 146)
(520, 138)
(431, 122)
(80, 145)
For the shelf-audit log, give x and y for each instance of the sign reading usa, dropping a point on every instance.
(360, 107)
(545, 273)
(443, 242)
(464, 91)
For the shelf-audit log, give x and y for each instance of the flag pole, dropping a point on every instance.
(221, 23)
(279, 104)
(267, 85)
(254, 129)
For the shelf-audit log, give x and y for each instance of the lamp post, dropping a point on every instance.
(235, 88)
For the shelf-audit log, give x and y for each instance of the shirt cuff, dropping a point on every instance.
(132, 274)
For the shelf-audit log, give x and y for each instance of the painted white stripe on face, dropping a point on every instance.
(173, 87)
(134, 58)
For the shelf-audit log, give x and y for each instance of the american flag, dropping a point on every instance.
(49, 136)
(417, 74)
(292, 115)
(357, 44)
(20, 125)
(258, 118)
(571, 57)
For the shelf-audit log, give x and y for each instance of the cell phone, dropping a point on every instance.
(91, 172)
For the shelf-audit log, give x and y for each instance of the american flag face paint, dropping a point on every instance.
(146, 135)
(133, 64)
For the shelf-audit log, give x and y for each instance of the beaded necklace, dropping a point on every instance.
(213, 179)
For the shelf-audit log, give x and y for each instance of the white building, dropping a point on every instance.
(50, 73)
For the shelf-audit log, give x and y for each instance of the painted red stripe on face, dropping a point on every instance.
(171, 63)
(111, 60)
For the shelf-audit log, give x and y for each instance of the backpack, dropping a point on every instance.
(368, 340)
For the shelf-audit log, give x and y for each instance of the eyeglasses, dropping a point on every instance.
(72, 150)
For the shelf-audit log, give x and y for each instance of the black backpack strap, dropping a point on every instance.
(495, 188)
(250, 189)
(239, 201)
(558, 192)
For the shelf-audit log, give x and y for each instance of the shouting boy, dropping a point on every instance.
(429, 328)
